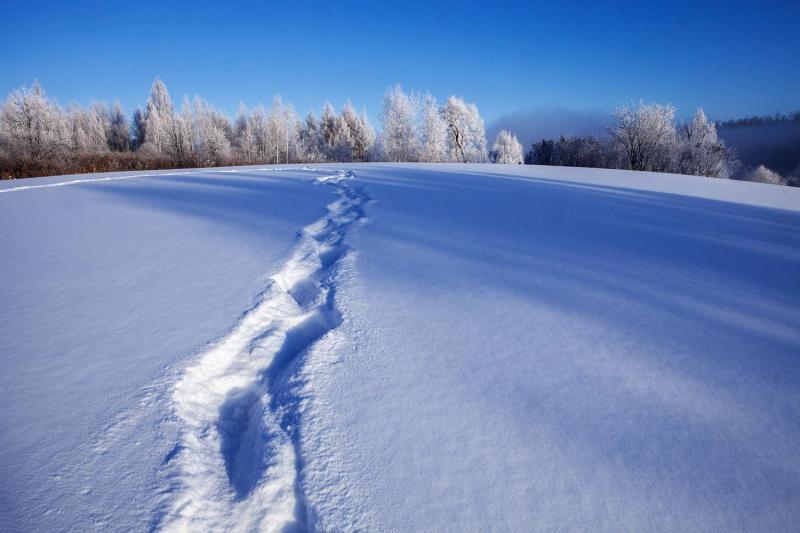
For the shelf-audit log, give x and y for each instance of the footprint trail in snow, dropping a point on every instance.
(237, 464)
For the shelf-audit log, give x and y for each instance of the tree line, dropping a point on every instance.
(38, 137)
(644, 137)
(648, 137)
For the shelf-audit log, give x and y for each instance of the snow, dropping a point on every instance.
(441, 348)
(108, 290)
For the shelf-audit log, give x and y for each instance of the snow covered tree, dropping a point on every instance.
(702, 152)
(341, 147)
(361, 134)
(507, 150)
(167, 132)
(88, 128)
(211, 133)
(327, 126)
(365, 145)
(244, 139)
(159, 120)
(290, 128)
(259, 127)
(646, 135)
(399, 138)
(343, 137)
(281, 128)
(179, 135)
(466, 131)
(432, 132)
(764, 175)
(31, 126)
(310, 141)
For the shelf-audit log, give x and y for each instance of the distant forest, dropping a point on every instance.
(772, 141)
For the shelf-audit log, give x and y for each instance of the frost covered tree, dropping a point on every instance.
(399, 137)
(179, 134)
(275, 127)
(507, 150)
(88, 128)
(31, 126)
(764, 175)
(432, 132)
(160, 120)
(259, 127)
(282, 129)
(310, 141)
(466, 131)
(211, 133)
(244, 137)
(702, 152)
(361, 135)
(167, 132)
(343, 137)
(646, 135)
(291, 127)
(327, 126)
(341, 141)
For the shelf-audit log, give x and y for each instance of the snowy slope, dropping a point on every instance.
(108, 290)
(442, 348)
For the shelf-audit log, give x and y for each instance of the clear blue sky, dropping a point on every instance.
(733, 58)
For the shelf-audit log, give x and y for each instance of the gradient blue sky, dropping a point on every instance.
(733, 58)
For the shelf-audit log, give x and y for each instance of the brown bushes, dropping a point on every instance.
(93, 162)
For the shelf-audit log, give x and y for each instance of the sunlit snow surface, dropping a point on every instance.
(409, 348)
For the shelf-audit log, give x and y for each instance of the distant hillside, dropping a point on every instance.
(770, 141)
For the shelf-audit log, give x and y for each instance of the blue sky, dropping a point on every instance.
(732, 58)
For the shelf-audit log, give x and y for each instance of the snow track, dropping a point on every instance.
(151, 175)
(236, 466)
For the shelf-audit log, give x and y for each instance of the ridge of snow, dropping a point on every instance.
(151, 175)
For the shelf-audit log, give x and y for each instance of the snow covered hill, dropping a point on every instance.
(386, 347)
